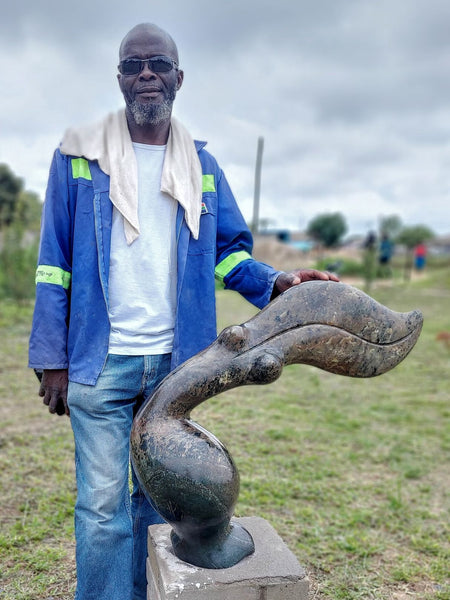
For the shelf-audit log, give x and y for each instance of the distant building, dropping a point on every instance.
(439, 246)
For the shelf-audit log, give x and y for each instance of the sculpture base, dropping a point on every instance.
(272, 572)
(215, 553)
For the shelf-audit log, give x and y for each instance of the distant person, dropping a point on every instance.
(137, 220)
(369, 258)
(385, 254)
(420, 256)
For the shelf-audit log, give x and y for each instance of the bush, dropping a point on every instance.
(17, 266)
(345, 267)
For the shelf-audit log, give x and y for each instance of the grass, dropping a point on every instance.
(37, 489)
(353, 474)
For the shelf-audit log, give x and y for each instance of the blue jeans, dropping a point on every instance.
(110, 525)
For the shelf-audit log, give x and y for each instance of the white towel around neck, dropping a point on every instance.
(109, 143)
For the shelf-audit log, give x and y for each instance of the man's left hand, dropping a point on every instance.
(285, 281)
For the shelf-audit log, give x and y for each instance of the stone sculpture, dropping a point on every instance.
(188, 473)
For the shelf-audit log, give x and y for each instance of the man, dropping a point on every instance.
(385, 254)
(137, 220)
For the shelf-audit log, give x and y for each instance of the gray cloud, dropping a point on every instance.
(351, 97)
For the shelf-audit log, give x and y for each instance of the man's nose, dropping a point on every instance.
(146, 72)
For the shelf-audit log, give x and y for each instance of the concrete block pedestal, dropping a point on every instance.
(271, 573)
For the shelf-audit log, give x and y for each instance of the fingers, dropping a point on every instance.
(58, 403)
(333, 277)
(287, 280)
(314, 275)
(56, 400)
(54, 391)
(65, 406)
(47, 395)
(62, 408)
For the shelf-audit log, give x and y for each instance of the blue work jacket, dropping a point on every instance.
(70, 323)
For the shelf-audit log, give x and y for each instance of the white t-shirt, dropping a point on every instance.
(143, 276)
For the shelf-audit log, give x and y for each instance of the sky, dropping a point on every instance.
(352, 97)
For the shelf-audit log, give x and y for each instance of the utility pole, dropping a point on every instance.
(259, 155)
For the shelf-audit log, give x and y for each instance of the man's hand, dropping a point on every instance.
(53, 388)
(288, 280)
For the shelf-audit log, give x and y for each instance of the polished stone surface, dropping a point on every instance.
(188, 473)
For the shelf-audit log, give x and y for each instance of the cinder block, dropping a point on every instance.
(271, 573)
(152, 590)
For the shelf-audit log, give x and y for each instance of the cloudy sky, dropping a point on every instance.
(352, 97)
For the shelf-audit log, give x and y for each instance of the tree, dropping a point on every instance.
(413, 235)
(10, 188)
(17, 206)
(28, 210)
(410, 237)
(390, 225)
(327, 229)
(19, 221)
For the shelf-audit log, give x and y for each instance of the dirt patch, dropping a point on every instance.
(279, 255)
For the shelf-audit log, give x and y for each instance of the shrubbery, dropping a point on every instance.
(17, 265)
(345, 267)
(19, 224)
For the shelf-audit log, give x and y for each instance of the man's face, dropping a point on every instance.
(149, 95)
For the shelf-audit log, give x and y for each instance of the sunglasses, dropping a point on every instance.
(157, 64)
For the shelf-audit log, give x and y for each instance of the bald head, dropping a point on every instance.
(148, 33)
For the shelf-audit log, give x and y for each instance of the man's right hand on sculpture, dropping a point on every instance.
(53, 389)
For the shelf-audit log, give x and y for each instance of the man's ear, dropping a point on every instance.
(119, 79)
(180, 78)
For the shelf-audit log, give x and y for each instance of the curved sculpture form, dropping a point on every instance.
(189, 475)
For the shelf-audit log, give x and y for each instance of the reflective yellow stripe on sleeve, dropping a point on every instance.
(80, 168)
(208, 183)
(229, 263)
(54, 275)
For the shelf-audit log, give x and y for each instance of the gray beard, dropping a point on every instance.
(150, 114)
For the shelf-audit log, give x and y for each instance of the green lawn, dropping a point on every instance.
(352, 473)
